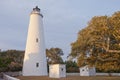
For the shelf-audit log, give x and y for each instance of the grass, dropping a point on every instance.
(71, 78)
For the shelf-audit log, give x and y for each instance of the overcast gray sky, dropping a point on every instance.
(62, 20)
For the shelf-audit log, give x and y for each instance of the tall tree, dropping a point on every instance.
(99, 43)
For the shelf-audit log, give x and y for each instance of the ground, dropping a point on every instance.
(71, 78)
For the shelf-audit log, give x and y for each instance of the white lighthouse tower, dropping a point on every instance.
(35, 56)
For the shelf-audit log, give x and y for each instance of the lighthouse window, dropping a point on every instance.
(37, 40)
(82, 69)
(37, 64)
(61, 69)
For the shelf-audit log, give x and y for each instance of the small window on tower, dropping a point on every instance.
(82, 69)
(37, 64)
(61, 69)
(37, 40)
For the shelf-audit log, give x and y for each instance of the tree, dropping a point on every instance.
(11, 60)
(71, 66)
(99, 43)
(54, 55)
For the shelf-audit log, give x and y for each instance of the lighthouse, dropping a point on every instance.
(35, 56)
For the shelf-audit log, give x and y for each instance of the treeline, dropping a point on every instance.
(12, 60)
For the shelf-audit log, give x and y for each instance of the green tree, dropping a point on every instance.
(54, 55)
(71, 66)
(11, 60)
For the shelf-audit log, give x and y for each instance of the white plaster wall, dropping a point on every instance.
(92, 71)
(62, 70)
(57, 70)
(35, 51)
(54, 71)
(86, 71)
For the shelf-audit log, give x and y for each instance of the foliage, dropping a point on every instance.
(71, 66)
(99, 43)
(54, 55)
(11, 60)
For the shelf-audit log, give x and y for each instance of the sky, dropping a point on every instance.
(62, 20)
